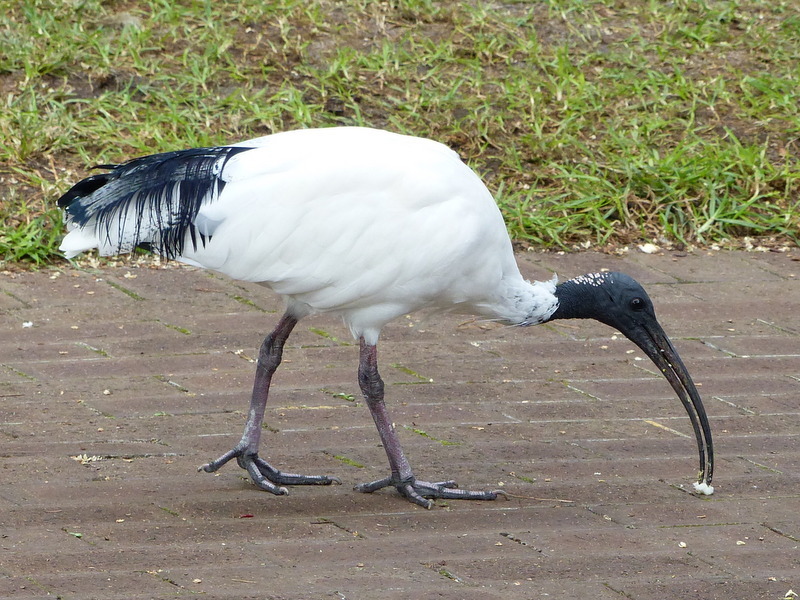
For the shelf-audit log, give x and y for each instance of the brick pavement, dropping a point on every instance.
(128, 378)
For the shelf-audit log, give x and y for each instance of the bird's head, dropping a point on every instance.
(620, 301)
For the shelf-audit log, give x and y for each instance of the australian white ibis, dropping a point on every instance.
(362, 223)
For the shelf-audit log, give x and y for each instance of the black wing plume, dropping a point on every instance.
(150, 201)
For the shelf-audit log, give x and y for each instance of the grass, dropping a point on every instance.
(595, 123)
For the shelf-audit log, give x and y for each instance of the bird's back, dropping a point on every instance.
(363, 222)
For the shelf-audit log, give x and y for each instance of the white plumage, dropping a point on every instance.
(362, 223)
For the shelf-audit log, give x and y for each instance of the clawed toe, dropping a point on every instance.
(264, 475)
(421, 492)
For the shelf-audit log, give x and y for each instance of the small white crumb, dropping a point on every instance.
(703, 488)
(649, 248)
(27, 324)
(681, 544)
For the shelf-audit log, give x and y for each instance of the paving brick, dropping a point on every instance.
(146, 370)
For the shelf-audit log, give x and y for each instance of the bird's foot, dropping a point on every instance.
(419, 492)
(264, 475)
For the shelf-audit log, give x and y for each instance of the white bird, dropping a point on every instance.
(362, 223)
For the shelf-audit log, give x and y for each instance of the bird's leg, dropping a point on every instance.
(402, 477)
(245, 452)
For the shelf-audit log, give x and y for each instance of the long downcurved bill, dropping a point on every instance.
(661, 351)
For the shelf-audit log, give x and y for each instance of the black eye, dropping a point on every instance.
(637, 304)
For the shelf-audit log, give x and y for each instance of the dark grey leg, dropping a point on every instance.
(401, 478)
(263, 474)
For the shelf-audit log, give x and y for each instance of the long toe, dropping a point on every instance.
(264, 475)
(216, 465)
(279, 477)
(421, 492)
(449, 490)
(372, 486)
(261, 479)
(270, 479)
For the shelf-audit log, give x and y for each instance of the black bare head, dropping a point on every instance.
(615, 299)
(620, 301)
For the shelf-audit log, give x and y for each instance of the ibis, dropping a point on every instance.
(361, 223)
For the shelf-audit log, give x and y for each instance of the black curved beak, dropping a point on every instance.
(650, 337)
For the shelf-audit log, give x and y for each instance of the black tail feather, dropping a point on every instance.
(84, 187)
(150, 201)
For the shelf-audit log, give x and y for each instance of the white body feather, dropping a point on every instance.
(364, 223)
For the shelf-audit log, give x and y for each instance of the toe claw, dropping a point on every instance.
(449, 484)
(410, 492)
(372, 486)
(420, 492)
(264, 475)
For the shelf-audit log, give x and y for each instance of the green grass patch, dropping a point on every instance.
(348, 461)
(328, 336)
(247, 302)
(124, 290)
(595, 123)
(178, 328)
(414, 374)
(340, 395)
(426, 435)
(170, 511)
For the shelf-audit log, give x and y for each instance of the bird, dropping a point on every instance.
(361, 223)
